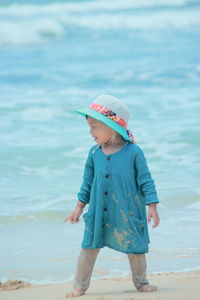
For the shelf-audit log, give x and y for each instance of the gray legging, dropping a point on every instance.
(87, 260)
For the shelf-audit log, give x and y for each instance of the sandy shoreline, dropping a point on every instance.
(171, 286)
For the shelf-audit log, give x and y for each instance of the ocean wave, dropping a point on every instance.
(90, 6)
(35, 216)
(26, 32)
(35, 24)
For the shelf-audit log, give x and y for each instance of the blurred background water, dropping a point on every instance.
(58, 56)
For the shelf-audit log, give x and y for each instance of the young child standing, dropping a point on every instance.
(117, 186)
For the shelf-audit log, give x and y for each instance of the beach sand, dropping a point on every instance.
(171, 286)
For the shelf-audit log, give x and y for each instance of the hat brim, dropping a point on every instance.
(105, 120)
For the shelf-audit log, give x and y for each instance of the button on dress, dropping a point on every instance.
(117, 188)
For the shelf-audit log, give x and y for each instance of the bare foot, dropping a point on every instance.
(76, 293)
(147, 288)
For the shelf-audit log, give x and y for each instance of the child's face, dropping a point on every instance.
(100, 132)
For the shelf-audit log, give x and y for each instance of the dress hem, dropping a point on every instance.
(128, 252)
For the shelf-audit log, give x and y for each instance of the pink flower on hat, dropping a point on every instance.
(108, 113)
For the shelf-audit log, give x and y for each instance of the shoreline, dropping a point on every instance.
(173, 285)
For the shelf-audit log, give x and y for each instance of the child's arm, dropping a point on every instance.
(84, 194)
(144, 179)
(153, 213)
(74, 217)
(147, 186)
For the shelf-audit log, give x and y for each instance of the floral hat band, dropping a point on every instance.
(112, 116)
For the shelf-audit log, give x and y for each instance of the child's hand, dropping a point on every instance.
(74, 217)
(153, 213)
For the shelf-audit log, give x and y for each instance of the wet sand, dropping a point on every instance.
(171, 286)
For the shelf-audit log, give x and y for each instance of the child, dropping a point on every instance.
(117, 185)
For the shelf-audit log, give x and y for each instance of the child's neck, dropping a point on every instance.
(113, 146)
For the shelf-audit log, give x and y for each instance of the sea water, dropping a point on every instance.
(59, 56)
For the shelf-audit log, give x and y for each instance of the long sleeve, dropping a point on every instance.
(144, 179)
(84, 194)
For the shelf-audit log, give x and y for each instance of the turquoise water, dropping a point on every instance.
(58, 56)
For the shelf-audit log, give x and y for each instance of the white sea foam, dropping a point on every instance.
(195, 205)
(113, 5)
(29, 31)
(33, 24)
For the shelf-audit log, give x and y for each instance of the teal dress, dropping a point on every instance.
(117, 188)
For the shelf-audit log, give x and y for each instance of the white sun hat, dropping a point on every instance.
(112, 112)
